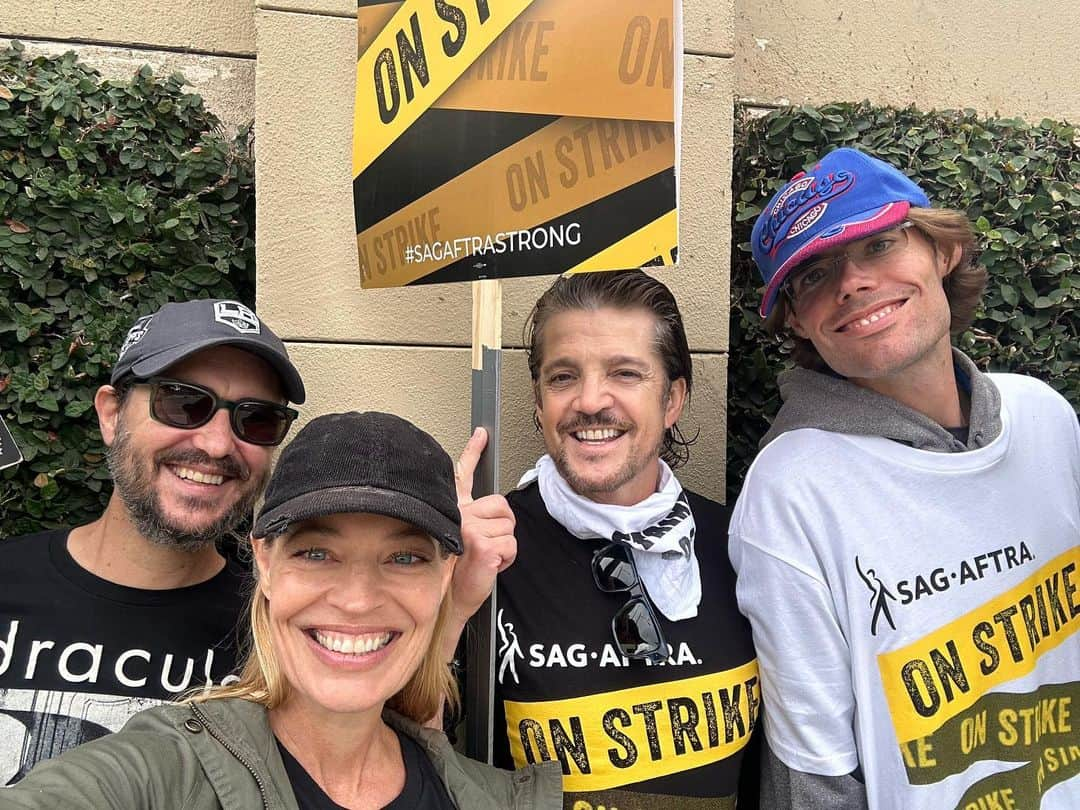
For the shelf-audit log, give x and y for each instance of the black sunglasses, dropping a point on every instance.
(188, 406)
(635, 626)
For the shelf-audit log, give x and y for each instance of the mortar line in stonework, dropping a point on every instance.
(126, 46)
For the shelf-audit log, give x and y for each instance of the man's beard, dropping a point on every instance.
(135, 486)
(590, 487)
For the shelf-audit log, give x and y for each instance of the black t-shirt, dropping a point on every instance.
(423, 789)
(628, 734)
(79, 655)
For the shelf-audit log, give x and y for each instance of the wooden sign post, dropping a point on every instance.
(480, 633)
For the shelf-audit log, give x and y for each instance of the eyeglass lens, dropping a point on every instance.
(259, 424)
(635, 628)
(182, 406)
(185, 406)
(807, 281)
(613, 571)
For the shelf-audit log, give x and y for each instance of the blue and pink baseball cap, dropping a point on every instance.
(847, 195)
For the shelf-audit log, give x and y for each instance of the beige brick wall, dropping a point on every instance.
(709, 24)
(1016, 57)
(211, 42)
(308, 282)
(202, 26)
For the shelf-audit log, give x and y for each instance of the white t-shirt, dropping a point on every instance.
(916, 612)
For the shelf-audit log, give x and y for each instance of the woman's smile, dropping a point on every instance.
(352, 651)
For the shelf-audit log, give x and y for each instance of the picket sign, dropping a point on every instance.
(498, 139)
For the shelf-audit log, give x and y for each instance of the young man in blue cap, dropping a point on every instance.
(907, 540)
(138, 606)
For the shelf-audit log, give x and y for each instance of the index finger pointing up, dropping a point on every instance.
(466, 465)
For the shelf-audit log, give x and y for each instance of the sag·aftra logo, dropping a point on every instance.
(879, 596)
(509, 648)
(571, 655)
(937, 580)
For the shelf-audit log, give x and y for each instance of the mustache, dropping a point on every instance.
(229, 466)
(587, 421)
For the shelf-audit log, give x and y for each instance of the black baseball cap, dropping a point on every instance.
(363, 462)
(178, 330)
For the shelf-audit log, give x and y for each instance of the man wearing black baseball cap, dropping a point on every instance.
(905, 539)
(139, 606)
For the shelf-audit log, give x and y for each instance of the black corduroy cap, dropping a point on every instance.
(363, 462)
(178, 330)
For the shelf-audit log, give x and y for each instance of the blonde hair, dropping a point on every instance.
(261, 680)
(945, 229)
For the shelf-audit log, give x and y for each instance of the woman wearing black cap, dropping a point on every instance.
(353, 554)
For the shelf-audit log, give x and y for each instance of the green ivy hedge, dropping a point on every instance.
(1018, 182)
(115, 197)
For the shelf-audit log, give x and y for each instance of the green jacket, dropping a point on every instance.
(221, 755)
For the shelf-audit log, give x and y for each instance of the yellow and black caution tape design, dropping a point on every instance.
(371, 19)
(414, 59)
(655, 241)
(931, 681)
(1002, 726)
(602, 59)
(633, 735)
(564, 166)
(1039, 729)
(513, 137)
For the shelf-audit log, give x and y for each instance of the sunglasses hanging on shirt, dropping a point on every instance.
(635, 625)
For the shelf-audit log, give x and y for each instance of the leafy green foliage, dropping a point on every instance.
(1016, 181)
(115, 197)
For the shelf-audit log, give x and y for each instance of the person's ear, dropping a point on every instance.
(108, 406)
(791, 320)
(260, 551)
(448, 573)
(676, 401)
(947, 262)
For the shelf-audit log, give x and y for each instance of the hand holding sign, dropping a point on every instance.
(487, 529)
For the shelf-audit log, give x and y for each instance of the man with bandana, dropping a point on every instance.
(620, 650)
(139, 606)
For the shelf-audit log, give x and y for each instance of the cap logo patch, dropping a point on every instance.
(796, 187)
(801, 205)
(238, 316)
(807, 219)
(135, 334)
